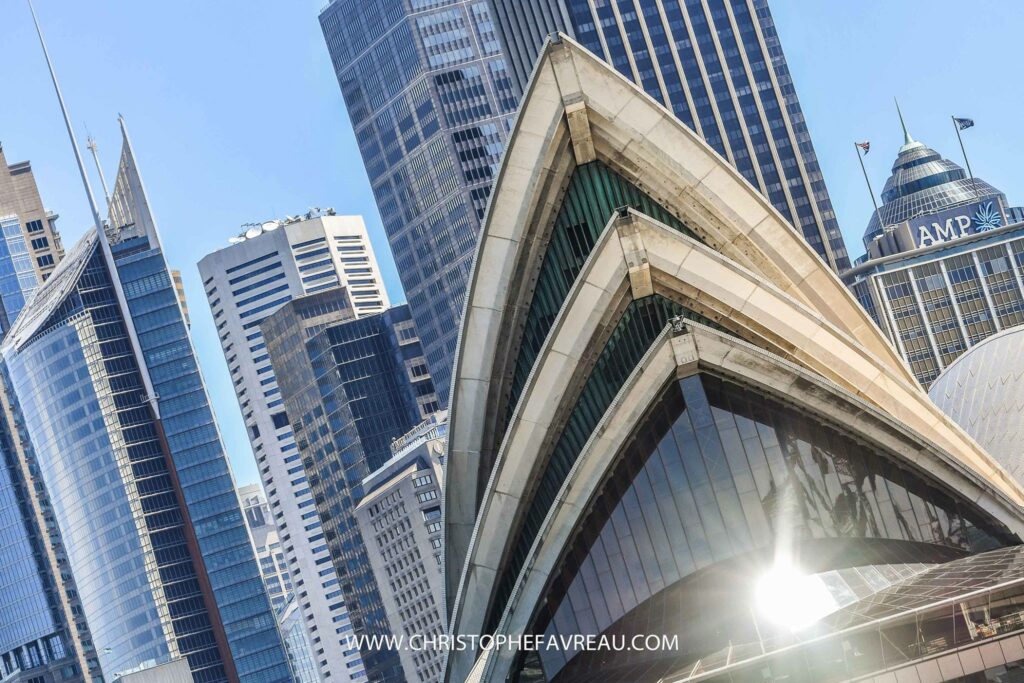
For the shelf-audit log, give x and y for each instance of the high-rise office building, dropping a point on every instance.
(677, 422)
(350, 387)
(429, 96)
(30, 246)
(296, 639)
(944, 267)
(266, 266)
(399, 518)
(719, 67)
(127, 447)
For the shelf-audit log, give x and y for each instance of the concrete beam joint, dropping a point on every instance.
(635, 252)
(579, 131)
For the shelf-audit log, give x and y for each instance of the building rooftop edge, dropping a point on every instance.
(967, 239)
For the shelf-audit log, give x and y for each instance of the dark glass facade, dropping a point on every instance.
(429, 97)
(594, 194)
(719, 67)
(200, 466)
(350, 387)
(718, 472)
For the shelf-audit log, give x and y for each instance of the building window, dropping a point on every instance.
(34, 226)
(45, 260)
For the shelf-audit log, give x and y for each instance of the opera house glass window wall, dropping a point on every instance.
(717, 472)
(663, 395)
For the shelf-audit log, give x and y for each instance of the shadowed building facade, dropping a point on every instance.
(349, 387)
(661, 393)
(130, 455)
(263, 268)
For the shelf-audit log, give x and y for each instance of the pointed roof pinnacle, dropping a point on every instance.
(906, 134)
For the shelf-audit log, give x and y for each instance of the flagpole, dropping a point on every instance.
(860, 158)
(956, 126)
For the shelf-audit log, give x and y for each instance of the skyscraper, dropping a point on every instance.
(430, 98)
(31, 246)
(350, 386)
(431, 122)
(40, 636)
(719, 67)
(266, 266)
(127, 447)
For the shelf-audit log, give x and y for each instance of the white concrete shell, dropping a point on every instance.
(753, 274)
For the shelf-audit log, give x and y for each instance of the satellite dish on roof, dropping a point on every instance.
(236, 240)
(270, 225)
(253, 232)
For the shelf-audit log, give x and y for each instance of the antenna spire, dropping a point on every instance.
(91, 144)
(906, 134)
(71, 131)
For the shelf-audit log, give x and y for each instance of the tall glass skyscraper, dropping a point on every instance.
(131, 457)
(34, 627)
(430, 98)
(719, 67)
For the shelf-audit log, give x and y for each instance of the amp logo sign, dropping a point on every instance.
(958, 222)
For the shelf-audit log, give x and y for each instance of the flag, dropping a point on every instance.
(963, 124)
(866, 146)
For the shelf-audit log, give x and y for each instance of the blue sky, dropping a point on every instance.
(236, 115)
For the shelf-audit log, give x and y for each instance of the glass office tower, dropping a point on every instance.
(718, 65)
(350, 388)
(430, 99)
(127, 447)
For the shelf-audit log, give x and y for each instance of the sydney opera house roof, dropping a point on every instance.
(983, 391)
(660, 390)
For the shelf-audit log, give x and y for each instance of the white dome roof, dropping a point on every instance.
(983, 391)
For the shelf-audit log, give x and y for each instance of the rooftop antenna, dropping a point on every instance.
(906, 134)
(71, 131)
(101, 233)
(91, 144)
